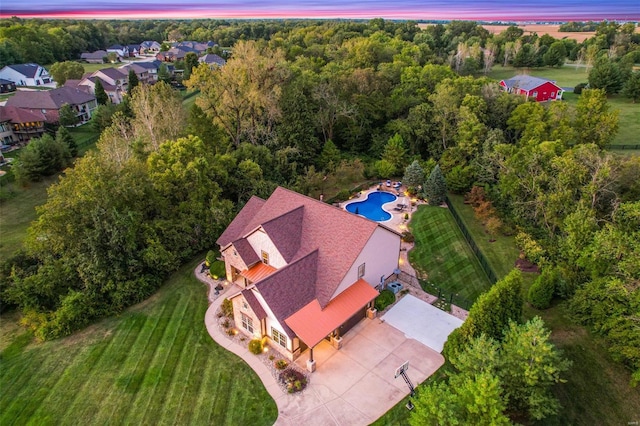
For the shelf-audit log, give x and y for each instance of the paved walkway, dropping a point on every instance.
(351, 386)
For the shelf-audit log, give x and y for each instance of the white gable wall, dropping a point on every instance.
(380, 256)
(260, 241)
(21, 80)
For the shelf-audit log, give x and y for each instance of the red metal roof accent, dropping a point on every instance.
(312, 323)
(258, 272)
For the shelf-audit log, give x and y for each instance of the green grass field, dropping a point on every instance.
(442, 253)
(17, 213)
(154, 364)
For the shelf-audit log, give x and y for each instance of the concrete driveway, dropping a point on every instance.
(355, 385)
(421, 321)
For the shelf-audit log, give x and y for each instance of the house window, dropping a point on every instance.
(244, 305)
(553, 94)
(361, 271)
(278, 337)
(247, 323)
(535, 94)
(265, 257)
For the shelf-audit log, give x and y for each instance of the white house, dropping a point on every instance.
(306, 270)
(26, 74)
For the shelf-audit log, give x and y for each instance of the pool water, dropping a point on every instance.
(371, 208)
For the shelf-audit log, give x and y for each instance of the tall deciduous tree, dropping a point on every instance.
(595, 123)
(159, 115)
(435, 188)
(67, 70)
(606, 75)
(395, 153)
(243, 96)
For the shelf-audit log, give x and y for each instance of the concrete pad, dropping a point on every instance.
(339, 373)
(321, 416)
(387, 337)
(347, 415)
(387, 368)
(421, 321)
(420, 356)
(364, 351)
(324, 393)
(373, 395)
(299, 403)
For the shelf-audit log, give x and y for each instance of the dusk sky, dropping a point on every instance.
(399, 9)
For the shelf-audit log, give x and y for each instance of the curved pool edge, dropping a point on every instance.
(364, 196)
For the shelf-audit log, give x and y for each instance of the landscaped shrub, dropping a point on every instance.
(408, 237)
(216, 270)
(212, 256)
(255, 346)
(385, 298)
(294, 380)
(227, 308)
(542, 290)
(578, 89)
(281, 364)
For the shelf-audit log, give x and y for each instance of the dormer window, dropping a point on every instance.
(265, 257)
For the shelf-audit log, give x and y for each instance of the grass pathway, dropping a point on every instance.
(155, 364)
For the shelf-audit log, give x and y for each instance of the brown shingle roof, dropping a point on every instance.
(285, 231)
(290, 288)
(49, 99)
(338, 235)
(19, 115)
(255, 305)
(246, 252)
(235, 230)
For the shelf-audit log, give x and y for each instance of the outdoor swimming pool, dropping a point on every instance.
(371, 208)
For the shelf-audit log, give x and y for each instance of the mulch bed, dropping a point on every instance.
(526, 266)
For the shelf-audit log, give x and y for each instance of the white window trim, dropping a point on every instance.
(279, 337)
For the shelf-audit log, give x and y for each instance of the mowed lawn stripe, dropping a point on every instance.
(173, 400)
(447, 259)
(90, 398)
(163, 343)
(29, 398)
(156, 372)
(129, 380)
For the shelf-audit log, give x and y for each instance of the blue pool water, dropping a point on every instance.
(371, 208)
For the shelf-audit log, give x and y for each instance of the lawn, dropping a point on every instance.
(501, 254)
(154, 364)
(17, 213)
(95, 67)
(442, 253)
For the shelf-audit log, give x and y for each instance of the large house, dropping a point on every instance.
(49, 102)
(539, 89)
(18, 125)
(26, 74)
(115, 83)
(149, 46)
(307, 270)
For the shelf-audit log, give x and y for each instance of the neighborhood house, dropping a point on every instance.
(26, 74)
(308, 270)
(533, 87)
(49, 102)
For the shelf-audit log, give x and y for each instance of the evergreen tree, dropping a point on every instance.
(164, 74)
(413, 175)
(64, 137)
(67, 116)
(101, 96)
(190, 62)
(133, 81)
(435, 188)
(631, 88)
(606, 75)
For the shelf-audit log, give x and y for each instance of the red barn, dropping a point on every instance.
(533, 87)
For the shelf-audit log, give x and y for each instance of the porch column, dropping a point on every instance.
(311, 364)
